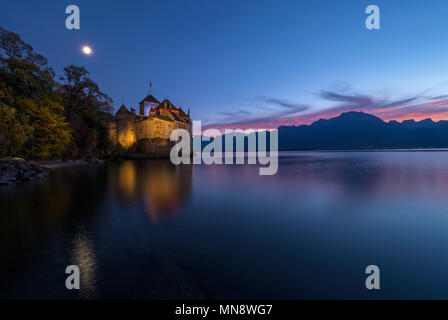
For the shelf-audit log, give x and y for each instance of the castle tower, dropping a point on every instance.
(124, 127)
(123, 113)
(147, 103)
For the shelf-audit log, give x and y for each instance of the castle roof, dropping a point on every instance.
(150, 98)
(167, 103)
(122, 110)
(182, 113)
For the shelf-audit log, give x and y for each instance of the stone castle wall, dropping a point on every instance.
(148, 135)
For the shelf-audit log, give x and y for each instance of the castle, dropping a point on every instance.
(149, 131)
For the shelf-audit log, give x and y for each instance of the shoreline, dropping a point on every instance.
(57, 164)
(16, 170)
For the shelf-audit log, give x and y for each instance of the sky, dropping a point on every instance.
(252, 63)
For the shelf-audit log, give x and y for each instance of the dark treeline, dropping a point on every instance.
(42, 118)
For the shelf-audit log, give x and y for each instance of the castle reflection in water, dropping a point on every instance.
(158, 186)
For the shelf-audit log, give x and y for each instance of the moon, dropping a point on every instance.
(87, 50)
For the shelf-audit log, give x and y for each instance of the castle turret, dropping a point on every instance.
(147, 103)
(123, 112)
(124, 127)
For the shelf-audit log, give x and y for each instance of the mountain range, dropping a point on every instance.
(359, 130)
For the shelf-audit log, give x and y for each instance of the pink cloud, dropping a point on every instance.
(387, 110)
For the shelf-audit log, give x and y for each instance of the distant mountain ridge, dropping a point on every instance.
(359, 130)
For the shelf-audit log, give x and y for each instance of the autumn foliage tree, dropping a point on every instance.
(31, 111)
(88, 110)
(41, 118)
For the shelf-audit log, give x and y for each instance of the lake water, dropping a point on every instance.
(149, 230)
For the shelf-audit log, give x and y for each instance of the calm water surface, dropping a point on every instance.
(150, 230)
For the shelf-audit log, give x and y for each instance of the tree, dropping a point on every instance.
(30, 101)
(51, 131)
(14, 131)
(88, 110)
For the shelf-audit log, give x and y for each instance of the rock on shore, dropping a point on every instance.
(56, 164)
(14, 170)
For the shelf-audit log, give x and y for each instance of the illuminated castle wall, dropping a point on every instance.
(149, 131)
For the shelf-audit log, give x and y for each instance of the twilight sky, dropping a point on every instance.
(252, 64)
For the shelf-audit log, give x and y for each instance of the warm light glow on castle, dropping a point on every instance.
(149, 131)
